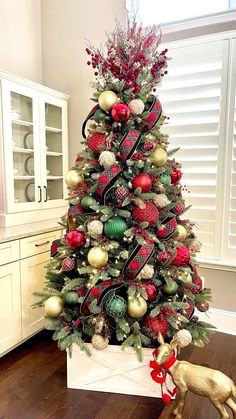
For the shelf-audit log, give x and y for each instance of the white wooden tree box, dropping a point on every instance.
(114, 371)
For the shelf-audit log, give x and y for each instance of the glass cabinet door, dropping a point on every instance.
(21, 134)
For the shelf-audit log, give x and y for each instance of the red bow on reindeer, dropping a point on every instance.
(159, 374)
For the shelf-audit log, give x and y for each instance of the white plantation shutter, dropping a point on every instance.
(193, 95)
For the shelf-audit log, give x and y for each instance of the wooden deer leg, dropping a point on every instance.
(220, 408)
(232, 406)
(182, 393)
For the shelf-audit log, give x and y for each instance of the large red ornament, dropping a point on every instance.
(120, 112)
(149, 214)
(176, 176)
(182, 257)
(143, 181)
(151, 291)
(97, 142)
(157, 324)
(75, 239)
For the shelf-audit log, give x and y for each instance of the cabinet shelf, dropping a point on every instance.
(23, 150)
(52, 129)
(26, 177)
(53, 153)
(21, 122)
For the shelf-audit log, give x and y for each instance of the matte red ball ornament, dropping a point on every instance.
(149, 214)
(176, 176)
(121, 112)
(68, 264)
(151, 291)
(97, 142)
(182, 257)
(157, 324)
(75, 239)
(143, 181)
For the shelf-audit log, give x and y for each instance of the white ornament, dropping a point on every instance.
(195, 246)
(107, 159)
(161, 200)
(99, 342)
(136, 106)
(184, 338)
(95, 227)
(147, 272)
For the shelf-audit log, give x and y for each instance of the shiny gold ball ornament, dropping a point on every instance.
(53, 306)
(99, 342)
(158, 157)
(97, 257)
(107, 100)
(137, 307)
(74, 178)
(180, 233)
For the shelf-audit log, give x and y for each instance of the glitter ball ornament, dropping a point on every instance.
(107, 100)
(137, 307)
(99, 342)
(143, 181)
(97, 257)
(116, 306)
(136, 106)
(70, 297)
(161, 201)
(97, 142)
(156, 325)
(53, 306)
(147, 272)
(87, 201)
(68, 264)
(184, 338)
(151, 291)
(120, 112)
(179, 209)
(158, 157)
(182, 257)
(115, 227)
(95, 227)
(176, 176)
(180, 233)
(165, 179)
(149, 214)
(121, 193)
(170, 288)
(202, 306)
(74, 178)
(107, 159)
(195, 246)
(75, 239)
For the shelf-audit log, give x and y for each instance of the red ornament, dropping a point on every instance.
(120, 112)
(97, 142)
(75, 239)
(143, 181)
(157, 324)
(176, 176)
(121, 193)
(149, 214)
(164, 258)
(149, 145)
(179, 209)
(182, 257)
(68, 264)
(151, 291)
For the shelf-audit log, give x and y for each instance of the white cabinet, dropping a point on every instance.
(34, 151)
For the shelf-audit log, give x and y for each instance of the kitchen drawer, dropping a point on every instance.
(40, 243)
(9, 252)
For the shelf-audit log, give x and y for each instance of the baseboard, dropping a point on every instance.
(223, 320)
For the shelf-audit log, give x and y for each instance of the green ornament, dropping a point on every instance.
(170, 288)
(70, 297)
(166, 179)
(99, 116)
(115, 227)
(87, 201)
(116, 306)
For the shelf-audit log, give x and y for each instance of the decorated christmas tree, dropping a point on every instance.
(126, 268)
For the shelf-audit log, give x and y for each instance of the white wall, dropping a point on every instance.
(20, 40)
(65, 26)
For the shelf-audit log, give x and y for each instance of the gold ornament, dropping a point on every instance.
(183, 337)
(147, 272)
(95, 227)
(53, 306)
(136, 106)
(137, 307)
(200, 380)
(97, 257)
(99, 342)
(107, 100)
(74, 178)
(180, 233)
(107, 159)
(158, 157)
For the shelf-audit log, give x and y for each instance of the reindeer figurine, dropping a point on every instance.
(200, 380)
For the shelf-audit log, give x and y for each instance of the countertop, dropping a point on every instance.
(26, 230)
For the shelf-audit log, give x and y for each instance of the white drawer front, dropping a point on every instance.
(9, 252)
(37, 244)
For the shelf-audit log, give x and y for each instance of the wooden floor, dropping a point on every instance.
(33, 385)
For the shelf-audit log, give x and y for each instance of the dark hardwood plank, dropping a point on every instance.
(33, 385)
